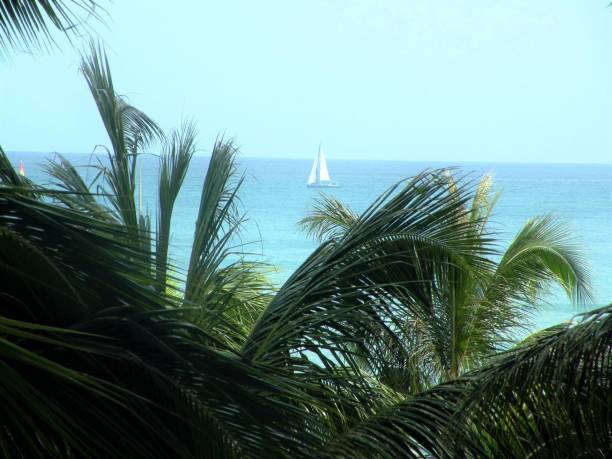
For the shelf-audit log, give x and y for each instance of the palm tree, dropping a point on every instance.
(100, 364)
(95, 363)
(472, 310)
(97, 360)
(218, 371)
(220, 280)
(28, 24)
(548, 397)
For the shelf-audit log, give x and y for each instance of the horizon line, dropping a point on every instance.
(247, 156)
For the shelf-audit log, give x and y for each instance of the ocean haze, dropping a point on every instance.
(457, 80)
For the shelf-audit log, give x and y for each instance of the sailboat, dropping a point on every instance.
(319, 174)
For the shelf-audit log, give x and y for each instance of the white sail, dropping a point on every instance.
(312, 178)
(319, 173)
(323, 172)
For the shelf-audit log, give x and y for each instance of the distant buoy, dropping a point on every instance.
(21, 169)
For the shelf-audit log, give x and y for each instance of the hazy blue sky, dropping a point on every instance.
(454, 80)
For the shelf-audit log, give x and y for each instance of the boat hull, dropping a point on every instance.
(323, 185)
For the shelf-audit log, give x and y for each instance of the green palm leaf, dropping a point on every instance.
(28, 24)
(217, 222)
(472, 310)
(100, 364)
(174, 163)
(348, 299)
(330, 218)
(543, 251)
(228, 289)
(129, 130)
(550, 397)
(76, 193)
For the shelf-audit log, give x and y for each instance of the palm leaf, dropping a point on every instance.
(174, 162)
(330, 218)
(542, 251)
(349, 298)
(99, 364)
(550, 397)
(76, 193)
(28, 24)
(217, 222)
(128, 129)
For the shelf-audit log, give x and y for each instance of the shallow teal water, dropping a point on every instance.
(275, 197)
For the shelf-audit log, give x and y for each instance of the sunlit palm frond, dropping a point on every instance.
(174, 163)
(541, 255)
(227, 287)
(129, 130)
(543, 251)
(330, 218)
(550, 397)
(360, 287)
(471, 312)
(218, 221)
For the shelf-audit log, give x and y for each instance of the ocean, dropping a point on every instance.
(274, 196)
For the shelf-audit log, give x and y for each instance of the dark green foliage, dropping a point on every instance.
(551, 397)
(104, 352)
(101, 364)
(471, 302)
(96, 363)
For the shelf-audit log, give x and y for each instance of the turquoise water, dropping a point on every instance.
(275, 198)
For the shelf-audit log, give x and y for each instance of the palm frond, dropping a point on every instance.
(96, 363)
(129, 130)
(550, 397)
(545, 250)
(76, 193)
(330, 218)
(350, 297)
(97, 255)
(174, 163)
(8, 174)
(236, 296)
(28, 24)
(413, 428)
(217, 223)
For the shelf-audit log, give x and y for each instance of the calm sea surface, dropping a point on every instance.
(275, 197)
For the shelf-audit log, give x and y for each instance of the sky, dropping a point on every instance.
(444, 80)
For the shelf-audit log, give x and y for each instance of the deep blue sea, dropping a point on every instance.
(275, 197)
